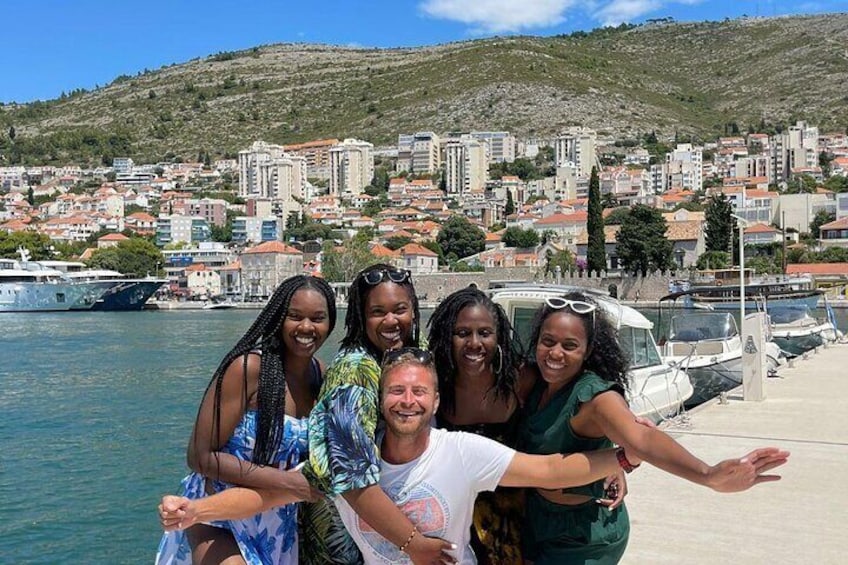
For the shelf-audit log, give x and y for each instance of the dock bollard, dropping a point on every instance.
(722, 398)
(791, 362)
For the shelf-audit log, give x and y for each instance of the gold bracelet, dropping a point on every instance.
(403, 547)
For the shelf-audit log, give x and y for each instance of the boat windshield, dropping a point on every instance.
(638, 343)
(789, 314)
(700, 327)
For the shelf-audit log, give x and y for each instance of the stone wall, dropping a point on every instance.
(433, 288)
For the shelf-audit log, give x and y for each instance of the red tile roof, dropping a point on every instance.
(274, 247)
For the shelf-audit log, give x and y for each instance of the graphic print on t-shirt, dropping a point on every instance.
(422, 505)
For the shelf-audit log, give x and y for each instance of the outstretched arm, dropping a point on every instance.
(561, 471)
(608, 414)
(237, 503)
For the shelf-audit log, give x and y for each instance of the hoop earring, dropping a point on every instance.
(497, 369)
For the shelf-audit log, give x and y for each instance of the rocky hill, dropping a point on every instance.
(693, 78)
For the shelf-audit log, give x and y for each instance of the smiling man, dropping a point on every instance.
(432, 475)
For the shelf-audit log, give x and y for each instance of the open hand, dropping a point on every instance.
(735, 475)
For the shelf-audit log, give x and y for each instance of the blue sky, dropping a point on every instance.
(55, 46)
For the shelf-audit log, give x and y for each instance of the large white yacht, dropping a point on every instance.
(28, 286)
(125, 293)
(656, 389)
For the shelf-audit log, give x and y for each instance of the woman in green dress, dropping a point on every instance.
(578, 404)
(344, 460)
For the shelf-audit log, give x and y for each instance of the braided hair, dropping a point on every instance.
(355, 335)
(441, 326)
(604, 357)
(263, 335)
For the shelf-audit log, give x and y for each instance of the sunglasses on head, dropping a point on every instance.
(377, 276)
(393, 355)
(577, 306)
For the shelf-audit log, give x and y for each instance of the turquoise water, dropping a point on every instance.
(95, 414)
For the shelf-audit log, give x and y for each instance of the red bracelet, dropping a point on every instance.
(623, 462)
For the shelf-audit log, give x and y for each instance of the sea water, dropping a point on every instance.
(95, 413)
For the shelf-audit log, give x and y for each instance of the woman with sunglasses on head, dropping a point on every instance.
(344, 459)
(251, 426)
(578, 404)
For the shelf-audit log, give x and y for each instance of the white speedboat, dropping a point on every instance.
(656, 389)
(795, 330)
(708, 347)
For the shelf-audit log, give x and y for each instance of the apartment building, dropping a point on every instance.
(576, 148)
(251, 229)
(177, 228)
(466, 165)
(351, 167)
(501, 145)
(796, 148)
(419, 153)
(317, 155)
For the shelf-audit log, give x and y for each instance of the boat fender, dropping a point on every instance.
(718, 283)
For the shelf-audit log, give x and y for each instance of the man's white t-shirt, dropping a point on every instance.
(437, 493)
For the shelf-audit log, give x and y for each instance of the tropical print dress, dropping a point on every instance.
(269, 538)
(343, 455)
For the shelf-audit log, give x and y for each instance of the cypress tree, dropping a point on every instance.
(596, 255)
(510, 204)
(719, 223)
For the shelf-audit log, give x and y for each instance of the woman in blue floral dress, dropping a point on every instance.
(252, 426)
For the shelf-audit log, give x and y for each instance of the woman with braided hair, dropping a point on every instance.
(477, 358)
(252, 426)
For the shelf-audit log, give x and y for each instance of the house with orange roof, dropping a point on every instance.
(268, 264)
(761, 234)
(418, 259)
(825, 275)
(565, 226)
(384, 254)
(387, 225)
(111, 240)
(141, 223)
(834, 234)
(493, 240)
(202, 282)
(15, 225)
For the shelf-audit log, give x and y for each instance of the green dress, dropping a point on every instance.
(586, 533)
(343, 455)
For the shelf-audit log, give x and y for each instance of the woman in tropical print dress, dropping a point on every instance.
(382, 314)
(251, 427)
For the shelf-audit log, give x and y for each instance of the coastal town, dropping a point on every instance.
(482, 202)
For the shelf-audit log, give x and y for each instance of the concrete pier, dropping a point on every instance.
(801, 519)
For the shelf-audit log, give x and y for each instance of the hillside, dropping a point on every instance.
(690, 77)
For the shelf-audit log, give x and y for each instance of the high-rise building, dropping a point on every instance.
(466, 165)
(501, 145)
(351, 167)
(796, 148)
(266, 171)
(685, 167)
(419, 153)
(576, 148)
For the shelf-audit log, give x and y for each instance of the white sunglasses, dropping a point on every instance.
(577, 306)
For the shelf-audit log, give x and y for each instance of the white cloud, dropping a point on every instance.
(499, 16)
(620, 11)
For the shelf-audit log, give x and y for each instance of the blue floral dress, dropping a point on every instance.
(269, 538)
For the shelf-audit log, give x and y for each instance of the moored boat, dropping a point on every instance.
(124, 294)
(656, 389)
(795, 330)
(720, 290)
(27, 286)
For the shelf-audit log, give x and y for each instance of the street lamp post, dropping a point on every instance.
(742, 224)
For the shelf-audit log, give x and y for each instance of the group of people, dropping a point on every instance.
(413, 450)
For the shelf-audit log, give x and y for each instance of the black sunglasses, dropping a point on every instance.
(377, 276)
(421, 355)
